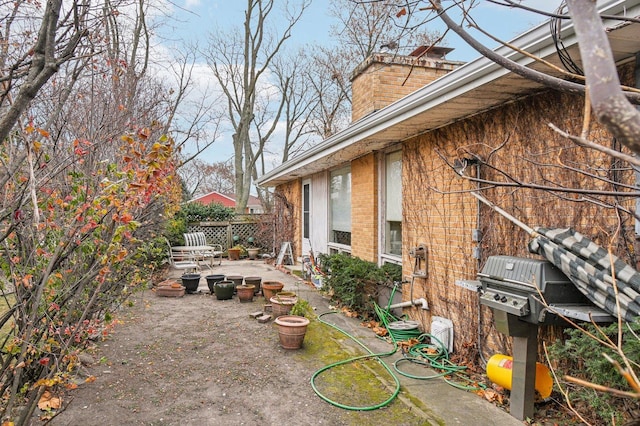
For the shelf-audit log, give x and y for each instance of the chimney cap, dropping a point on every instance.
(437, 52)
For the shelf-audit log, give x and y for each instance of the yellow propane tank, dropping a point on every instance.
(499, 371)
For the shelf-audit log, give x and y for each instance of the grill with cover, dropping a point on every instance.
(515, 288)
(518, 286)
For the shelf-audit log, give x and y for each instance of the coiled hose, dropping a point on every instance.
(434, 355)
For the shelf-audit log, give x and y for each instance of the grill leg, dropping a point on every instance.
(525, 348)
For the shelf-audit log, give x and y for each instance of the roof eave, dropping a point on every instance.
(469, 77)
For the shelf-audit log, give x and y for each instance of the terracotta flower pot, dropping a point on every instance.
(234, 254)
(270, 288)
(245, 293)
(172, 289)
(281, 305)
(291, 330)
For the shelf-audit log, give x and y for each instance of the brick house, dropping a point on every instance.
(390, 181)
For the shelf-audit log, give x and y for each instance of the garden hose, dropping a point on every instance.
(346, 361)
(434, 355)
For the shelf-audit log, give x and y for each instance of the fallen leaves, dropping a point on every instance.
(375, 327)
(491, 396)
(349, 313)
(49, 401)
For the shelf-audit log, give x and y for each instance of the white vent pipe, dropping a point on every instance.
(422, 301)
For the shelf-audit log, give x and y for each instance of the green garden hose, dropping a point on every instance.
(436, 356)
(346, 361)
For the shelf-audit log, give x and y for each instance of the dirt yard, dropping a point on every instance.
(196, 360)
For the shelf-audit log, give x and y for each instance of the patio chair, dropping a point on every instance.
(210, 254)
(181, 260)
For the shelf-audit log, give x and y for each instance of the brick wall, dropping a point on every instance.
(439, 212)
(364, 208)
(289, 208)
(384, 78)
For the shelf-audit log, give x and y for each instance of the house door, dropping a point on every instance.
(306, 217)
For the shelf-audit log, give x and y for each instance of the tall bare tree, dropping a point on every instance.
(240, 61)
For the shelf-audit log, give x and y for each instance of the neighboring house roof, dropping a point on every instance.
(227, 200)
(475, 87)
(215, 197)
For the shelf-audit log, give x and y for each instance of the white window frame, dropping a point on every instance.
(382, 222)
(333, 246)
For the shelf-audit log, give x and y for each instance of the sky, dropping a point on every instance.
(194, 20)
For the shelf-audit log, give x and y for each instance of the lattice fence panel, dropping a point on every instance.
(222, 233)
(244, 230)
(216, 234)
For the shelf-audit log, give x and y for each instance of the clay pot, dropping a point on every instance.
(281, 305)
(254, 281)
(253, 253)
(245, 293)
(291, 330)
(234, 254)
(212, 280)
(191, 282)
(170, 290)
(237, 280)
(224, 290)
(270, 288)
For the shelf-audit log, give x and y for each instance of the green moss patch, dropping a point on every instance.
(361, 383)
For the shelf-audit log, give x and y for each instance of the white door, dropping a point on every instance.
(319, 235)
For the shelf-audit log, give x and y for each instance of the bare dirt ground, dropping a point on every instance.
(196, 360)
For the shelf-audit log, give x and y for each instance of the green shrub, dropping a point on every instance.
(353, 282)
(174, 231)
(581, 356)
(152, 254)
(197, 212)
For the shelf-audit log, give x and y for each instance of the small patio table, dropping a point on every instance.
(197, 253)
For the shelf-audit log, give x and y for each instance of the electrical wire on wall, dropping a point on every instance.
(555, 27)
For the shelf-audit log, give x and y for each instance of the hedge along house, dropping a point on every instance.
(390, 181)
